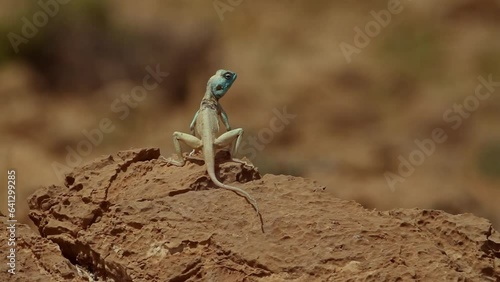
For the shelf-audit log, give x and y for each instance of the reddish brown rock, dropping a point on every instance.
(129, 217)
(35, 258)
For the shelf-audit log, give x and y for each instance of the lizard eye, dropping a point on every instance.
(228, 76)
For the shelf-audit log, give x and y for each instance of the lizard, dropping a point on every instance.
(204, 129)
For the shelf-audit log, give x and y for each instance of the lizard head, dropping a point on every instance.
(221, 82)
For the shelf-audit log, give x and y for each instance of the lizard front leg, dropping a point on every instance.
(192, 128)
(193, 123)
(188, 139)
(224, 118)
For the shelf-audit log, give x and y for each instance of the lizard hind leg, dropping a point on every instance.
(233, 138)
(228, 138)
(188, 139)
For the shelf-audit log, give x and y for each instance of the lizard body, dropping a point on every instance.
(205, 127)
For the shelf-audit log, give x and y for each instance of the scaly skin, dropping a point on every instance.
(205, 127)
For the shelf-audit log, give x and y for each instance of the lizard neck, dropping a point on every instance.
(210, 97)
(209, 100)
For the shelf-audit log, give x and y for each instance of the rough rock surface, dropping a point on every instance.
(36, 258)
(130, 217)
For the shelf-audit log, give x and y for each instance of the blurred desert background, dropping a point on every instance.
(353, 120)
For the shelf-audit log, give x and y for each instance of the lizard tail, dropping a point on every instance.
(250, 199)
(238, 191)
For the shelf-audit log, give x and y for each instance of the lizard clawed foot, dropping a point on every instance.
(171, 161)
(242, 162)
(195, 155)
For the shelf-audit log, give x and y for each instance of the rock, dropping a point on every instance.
(35, 258)
(130, 217)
